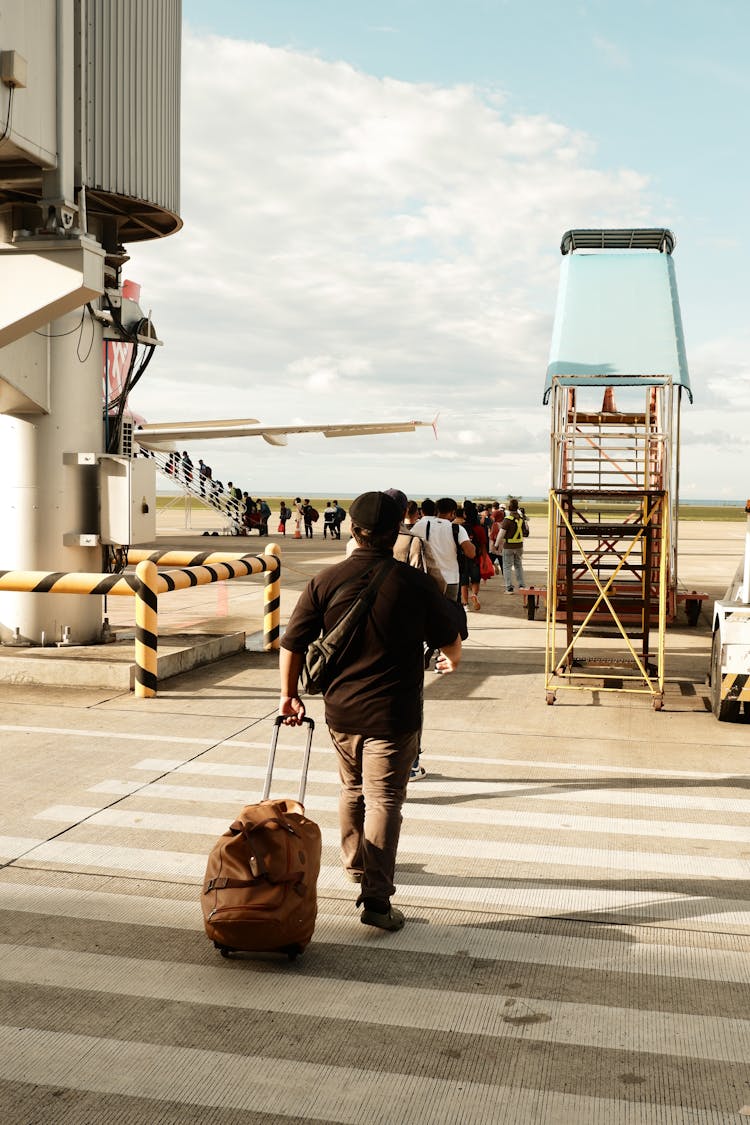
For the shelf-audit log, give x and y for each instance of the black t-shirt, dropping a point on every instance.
(377, 690)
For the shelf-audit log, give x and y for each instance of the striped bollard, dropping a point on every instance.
(146, 629)
(272, 601)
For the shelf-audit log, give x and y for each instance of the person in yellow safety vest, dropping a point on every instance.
(513, 530)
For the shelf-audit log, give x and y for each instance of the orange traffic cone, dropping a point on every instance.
(297, 533)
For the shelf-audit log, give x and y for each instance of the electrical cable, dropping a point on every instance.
(82, 359)
(114, 435)
(9, 116)
(58, 335)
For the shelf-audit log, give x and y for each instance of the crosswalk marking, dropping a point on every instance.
(233, 770)
(564, 911)
(534, 790)
(598, 826)
(277, 1086)
(104, 736)
(232, 742)
(414, 809)
(714, 1038)
(446, 939)
(525, 894)
(612, 859)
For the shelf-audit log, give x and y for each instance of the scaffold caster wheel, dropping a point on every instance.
(658, 703)
(550, 698)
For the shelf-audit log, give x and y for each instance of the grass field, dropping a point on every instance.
(535, 509)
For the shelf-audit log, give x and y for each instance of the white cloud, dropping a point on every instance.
(358, 248)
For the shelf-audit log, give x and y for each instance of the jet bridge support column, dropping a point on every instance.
(48, 498)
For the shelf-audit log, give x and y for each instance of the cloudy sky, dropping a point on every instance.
(373, 198)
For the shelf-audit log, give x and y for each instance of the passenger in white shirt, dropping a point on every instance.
(438, 531)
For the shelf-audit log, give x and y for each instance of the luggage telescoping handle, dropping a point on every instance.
(272, 756)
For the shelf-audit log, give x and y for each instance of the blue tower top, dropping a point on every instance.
(617, 321)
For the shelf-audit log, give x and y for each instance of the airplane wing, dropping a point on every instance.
(158, 435)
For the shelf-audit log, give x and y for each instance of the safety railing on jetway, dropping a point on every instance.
(191, 484)
(148, 582)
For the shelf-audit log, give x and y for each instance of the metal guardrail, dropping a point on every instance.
(148, 582)
(188, 479)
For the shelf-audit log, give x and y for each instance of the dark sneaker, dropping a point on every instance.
(392, 920)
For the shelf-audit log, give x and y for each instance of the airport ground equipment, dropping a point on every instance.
(612, 562)
(729, 674)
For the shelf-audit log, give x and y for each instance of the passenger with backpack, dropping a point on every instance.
(340, 517)
(309, 516)
(513, 530)
(437, 530)
(472, 575)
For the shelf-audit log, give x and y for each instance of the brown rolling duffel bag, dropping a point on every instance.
(260, 888)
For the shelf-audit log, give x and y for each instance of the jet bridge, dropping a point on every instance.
(615, 380)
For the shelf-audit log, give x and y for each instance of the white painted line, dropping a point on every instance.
(105, 735)
(714, 1038)
(613, 860)
(229, 742)
(576, 953)
(552, 897)
(11, 847)
(537, 790)
(292, 1088)
(457, 785)
(521, 763)
(418, 809)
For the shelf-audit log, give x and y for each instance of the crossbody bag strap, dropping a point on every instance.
(360, 607)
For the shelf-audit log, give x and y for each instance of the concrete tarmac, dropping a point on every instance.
(576, 880)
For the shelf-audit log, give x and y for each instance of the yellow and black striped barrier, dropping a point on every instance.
(146, 629)
(735, 687)
(59, 582)
(146, 585)
(272, 602)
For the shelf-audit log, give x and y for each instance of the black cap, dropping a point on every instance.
(397, 495)
(375, 511)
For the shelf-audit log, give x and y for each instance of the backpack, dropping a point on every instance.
(314, 515)
(421, 556)
(319, 665)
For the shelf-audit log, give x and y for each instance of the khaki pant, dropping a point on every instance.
(374, 773)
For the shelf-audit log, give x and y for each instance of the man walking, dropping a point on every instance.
(513, 530)
(329, 520)
(307, 518)
(373, 702)
(445, 543)
(340, 517)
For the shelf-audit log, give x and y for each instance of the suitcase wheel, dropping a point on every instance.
(292, 951)
(222, 949)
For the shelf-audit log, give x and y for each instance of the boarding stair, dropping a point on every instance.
(609, 538)
(191, 486)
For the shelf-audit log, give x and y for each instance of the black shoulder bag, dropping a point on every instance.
(320, 658)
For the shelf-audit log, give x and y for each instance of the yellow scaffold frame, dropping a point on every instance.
(554, 668)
